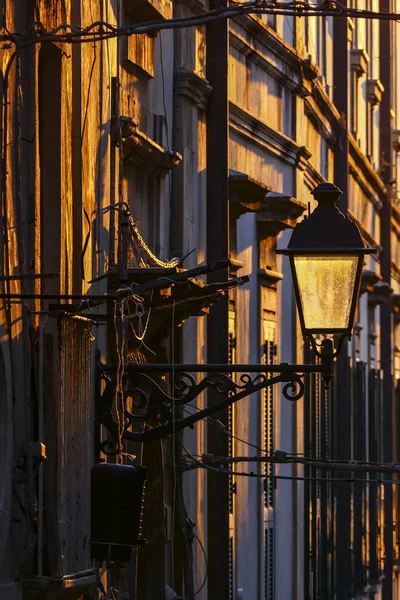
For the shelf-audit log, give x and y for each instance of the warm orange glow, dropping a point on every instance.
(326, 285)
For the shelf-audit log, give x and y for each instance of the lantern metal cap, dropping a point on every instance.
(326, 230)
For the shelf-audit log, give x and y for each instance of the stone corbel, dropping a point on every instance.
(194, 87)
(303, 156)
(380, 294)
(310, 69)
(359, 60)
(278, 212)
(375, 91)
(246, 194)
(269, 277)
(396, 140)
(368, 280)
(145, 152)
(396, 307)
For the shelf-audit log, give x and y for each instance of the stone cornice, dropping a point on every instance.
(278, 212)
(266, 60)
(194, 87)
(366, 236)
(325, 104)
(312, 177)
(268, 37)
(258, 132)
(364, 174)
(319, 120)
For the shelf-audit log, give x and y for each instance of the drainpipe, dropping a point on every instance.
(342, 444)
(386, 75)
(217, 322)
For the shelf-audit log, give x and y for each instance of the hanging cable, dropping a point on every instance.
(102, 30)
(137, 237)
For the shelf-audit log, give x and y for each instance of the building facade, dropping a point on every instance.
(128, 161)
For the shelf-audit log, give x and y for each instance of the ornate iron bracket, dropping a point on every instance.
(149, 400)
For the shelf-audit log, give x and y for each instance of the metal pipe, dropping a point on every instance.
(217, 321)
(386, 150)
(212, 368)
(343, 557)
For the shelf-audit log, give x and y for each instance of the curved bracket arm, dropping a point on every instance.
(293, 390)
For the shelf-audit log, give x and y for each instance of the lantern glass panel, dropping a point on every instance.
(326, 287)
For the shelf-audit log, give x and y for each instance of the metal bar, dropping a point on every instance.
(158, 433)
(317, 464)
(342, 558)
(104, 297)
(29, 276)
(217, 221)
(158, 283)
(386, 50)
(213, 368)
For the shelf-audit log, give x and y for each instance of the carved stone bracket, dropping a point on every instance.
(368, 280)
(396, 307)
(194, 87)
(380, 294)
(278, 212)
(396, 140)
(375, 91)
(246, 194)
(310, 69)
(145, 152)
(359, 60)
(269, 277)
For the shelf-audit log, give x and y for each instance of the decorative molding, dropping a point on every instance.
(359, 60)
(258, 132)
(312, 177)
(396, 311)
(291, 80)
(380, 294)
(145, 152)
(309, 68)
(269, 277)
(363, 172)
(274, 142)
(245, 193)
(368, 280)
(329, 110)
(366, 236)
(235, 265)
(375, 91)
(278, 212)
(396, 140)
(194, 86)
(317, 115)
(395, 271)
(350, 29)
(268, 37)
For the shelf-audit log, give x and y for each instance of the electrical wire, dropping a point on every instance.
(205, 562)
(291, 478)
(173, 441)
(102, 30)
(218, 425)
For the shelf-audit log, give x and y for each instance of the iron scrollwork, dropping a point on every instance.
(148, 400)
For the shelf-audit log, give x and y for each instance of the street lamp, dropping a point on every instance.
(326, 255)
